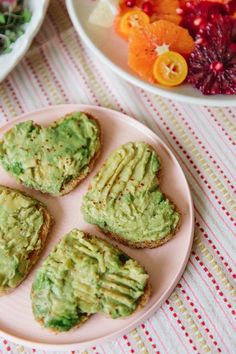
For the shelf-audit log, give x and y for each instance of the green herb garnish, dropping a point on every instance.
(12, 19)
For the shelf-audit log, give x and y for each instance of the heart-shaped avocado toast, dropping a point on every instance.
(84, 275)
(125, 200)
(24, 226)
(51, 159)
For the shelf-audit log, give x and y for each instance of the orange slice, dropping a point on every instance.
(144, 43)
(162, 9)
(166, 10)
(132, 19)
(171, 18)
(170, 69)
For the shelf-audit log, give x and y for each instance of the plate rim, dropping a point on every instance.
(213, 102)
(27, 41)
(166, 293)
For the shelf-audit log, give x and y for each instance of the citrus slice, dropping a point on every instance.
(160, 10)
(132, 19)
(170, 69)
(167, 10)
(144, 43)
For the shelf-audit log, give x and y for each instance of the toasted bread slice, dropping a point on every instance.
(84, 275)
(24, 226)
(125, 200)
(52, 159)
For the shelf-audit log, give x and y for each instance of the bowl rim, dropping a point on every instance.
(26, 40)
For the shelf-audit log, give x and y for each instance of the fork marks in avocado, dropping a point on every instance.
(85, 275)
(125, 197)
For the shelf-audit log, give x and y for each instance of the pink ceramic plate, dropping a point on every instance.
(164, 264)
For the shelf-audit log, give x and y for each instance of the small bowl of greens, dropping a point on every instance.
(13, 17)
(20, 20)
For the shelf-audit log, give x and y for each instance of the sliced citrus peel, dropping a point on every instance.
(146, 43)
(170, 69)
(132, 19)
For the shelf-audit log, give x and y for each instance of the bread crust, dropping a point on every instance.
(43, 234)
(84, 318)
(144, 244)
(145, 297)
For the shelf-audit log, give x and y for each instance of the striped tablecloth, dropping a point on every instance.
(199, 317)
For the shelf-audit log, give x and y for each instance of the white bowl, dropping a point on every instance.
(112, 50)
(19, 48)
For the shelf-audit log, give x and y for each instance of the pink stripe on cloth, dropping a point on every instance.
(204, 311)
(227, 144)
(195, 310)
(231, 114)
(39, 82)
(174, 329)
(120, 347)
(203, 147)
(213, 233)
(18, 93)
(31, 78)
(49, 67)
(211, 291)
(158, 337)
(226, 264)
(213, 280)
(220, 126)
(109, 88)
(73, 61)
(16, 99)
(5, 116)
(183, 328)
(131, 349)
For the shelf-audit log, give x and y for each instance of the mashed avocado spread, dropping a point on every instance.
(20, 222)
(125, 197)
(84, 275)
(47, 158)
